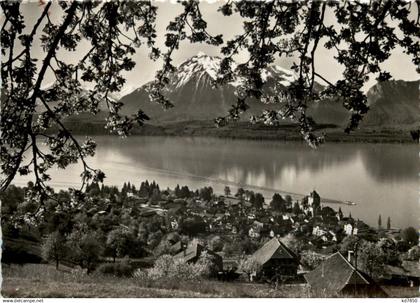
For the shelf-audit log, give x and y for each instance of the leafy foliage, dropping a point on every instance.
(311, 260)
(371, 259)
(168, 267)
(112, 31)
(410, 235)
(54, 248)
(250, 266)
(121, 269)
(278, 203)
(85, 249)
(362, 39)
(119, 241)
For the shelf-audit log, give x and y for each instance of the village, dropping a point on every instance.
(245, 238)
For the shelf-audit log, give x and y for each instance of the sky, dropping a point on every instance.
(399, 65)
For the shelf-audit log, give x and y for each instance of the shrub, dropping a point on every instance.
(311, 260)
(414, 254)
(122, 269)
(206, 266)
(167, 267)
(216, 244)
(250, 266)
(141, 274)
(161, 267)
(410, 236)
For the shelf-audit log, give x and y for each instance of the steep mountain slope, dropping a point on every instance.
(195, 98)
(394, 103)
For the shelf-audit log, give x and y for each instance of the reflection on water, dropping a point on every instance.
(381, 178)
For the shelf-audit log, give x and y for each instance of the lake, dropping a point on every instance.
(380, 178)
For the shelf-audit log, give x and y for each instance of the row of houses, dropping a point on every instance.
(335, 276)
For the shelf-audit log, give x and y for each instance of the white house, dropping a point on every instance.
(310, 200)
(317, 231)
(174, 224)
(350, 230)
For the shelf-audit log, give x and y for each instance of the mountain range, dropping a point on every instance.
(393, 103)
(191, 90)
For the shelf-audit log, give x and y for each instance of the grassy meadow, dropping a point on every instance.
(42, 280)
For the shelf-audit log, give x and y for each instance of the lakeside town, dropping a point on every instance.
(151, 234)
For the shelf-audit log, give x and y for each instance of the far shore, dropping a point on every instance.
(245, 130)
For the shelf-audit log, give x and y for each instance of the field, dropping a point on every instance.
(44, 281)
(41, 280)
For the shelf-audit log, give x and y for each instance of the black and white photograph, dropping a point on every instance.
(210, 149)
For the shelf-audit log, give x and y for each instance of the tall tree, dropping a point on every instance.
(410, 235)
(240, 193)
(259, 201)
(388, 223)
(118, 242)
(296, 208)
(379, 222)
(278, 203)
(85, 248)
(370, 259)
(289, 201)
(340, 213)
(54, 248)
(227, 191)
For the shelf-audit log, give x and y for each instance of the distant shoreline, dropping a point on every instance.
(245, 130)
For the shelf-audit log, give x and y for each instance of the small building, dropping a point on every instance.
(193, 252)
(277, 261)
(338, 277)
(408, 274)
(176, 248)
(348, 229)
(314, 199)
(317, 231)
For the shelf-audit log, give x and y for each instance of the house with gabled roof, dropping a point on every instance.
(336, 276)
(193, 252)
(407, 274)
(277, 260)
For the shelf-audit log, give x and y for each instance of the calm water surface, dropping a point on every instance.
(381, 178)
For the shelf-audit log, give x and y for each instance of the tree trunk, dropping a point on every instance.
(56, 264)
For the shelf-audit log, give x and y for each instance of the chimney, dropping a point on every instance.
(349, 253)
(355, 255)
(355, 260)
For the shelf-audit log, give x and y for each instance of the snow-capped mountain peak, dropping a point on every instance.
(197, 66)
(127, 89)
(203, 65)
